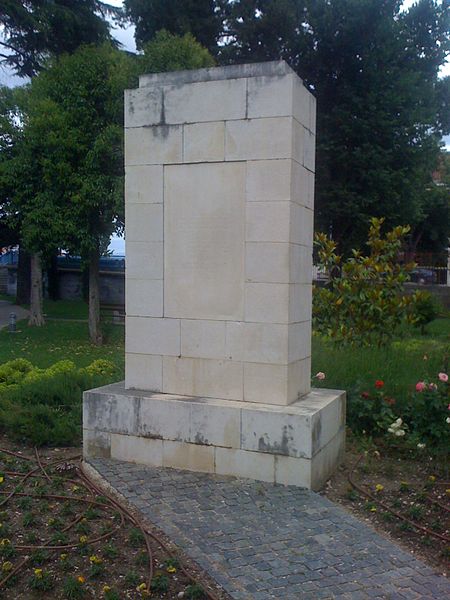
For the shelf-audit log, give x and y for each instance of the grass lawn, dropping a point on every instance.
(410, 358)
(59, 340)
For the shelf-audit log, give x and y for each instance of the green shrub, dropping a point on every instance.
(364, 302)
(43, 406)
(425, 310)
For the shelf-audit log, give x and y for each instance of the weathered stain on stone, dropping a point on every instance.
(316, 433)
(285, 447)
(162, 118)
(201, 440)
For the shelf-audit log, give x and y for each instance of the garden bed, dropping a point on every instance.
(62, 537)
(402, 494)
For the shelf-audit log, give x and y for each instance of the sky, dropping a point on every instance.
(126, 37)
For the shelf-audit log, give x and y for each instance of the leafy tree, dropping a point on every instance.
(364, 302)
(35, 29)
(198, 17)
(168, 52)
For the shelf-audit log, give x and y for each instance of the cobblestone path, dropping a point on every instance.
(261, 541)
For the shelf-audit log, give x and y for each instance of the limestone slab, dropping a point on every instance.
(300, 302)
(309, 159)
(255, 139)
(96, 444)
(302, 185)
(301, 105)
(299, 340)
(144, 222)
(269, 180)
(131, 448)
(143, 371)
(190, 457)
(268, 262)
(271, 96)
(203, 339)
(143, 107)
(154, 145)
(204, 142)
(204, 219)
(241, 463)
(268, 221)
(206, 101)
(299, 376)
(160, 419)
(144, 259)
(298, 142)
(203, 377)
(146, 335)
(267, 302)
(292, 471)
(265, 383)
(144, 297)
(215, 425)
(144, 184)
(257, 342)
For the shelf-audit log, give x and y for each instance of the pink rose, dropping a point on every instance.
(432, 386)
(320, 375)
(443, 377)
(420, 386)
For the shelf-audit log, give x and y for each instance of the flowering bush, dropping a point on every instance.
(422, 421)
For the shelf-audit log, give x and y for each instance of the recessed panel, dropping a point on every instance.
(204, 228)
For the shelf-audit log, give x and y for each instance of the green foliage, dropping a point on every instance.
(363, 304)
(425, 310)
(33, 29)
(43, 406)
(168, 52)
(427, 414)
(371, 411)
(197, 17)
(160, 583)
(73, 589)
(41, 581)
(195, 592)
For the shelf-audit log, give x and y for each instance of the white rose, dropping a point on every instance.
(400, 433)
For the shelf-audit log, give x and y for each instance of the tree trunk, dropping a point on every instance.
(23, 292)
(36, 300)
(95, 332)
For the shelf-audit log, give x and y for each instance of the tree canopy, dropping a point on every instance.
(34, 29)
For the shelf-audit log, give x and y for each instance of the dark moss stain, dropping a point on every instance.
(316, 433)
(284, 447)
(202, 441)
(162, 118)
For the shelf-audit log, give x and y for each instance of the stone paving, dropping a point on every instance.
(260, 541)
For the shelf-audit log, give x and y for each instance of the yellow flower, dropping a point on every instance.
(38, 573)
(95, 560)
(4, 542)
(171, 569)
(432, 478)
(81, 579)
(106, 588)
(7, 566)
(63, 556)
(447, 491)
(83, 539)
(379, 487)
(2, 479)
(141, 587)
(373, 509)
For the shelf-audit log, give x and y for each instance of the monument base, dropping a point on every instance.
(300, 444)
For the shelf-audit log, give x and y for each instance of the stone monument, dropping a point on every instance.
(219, 230)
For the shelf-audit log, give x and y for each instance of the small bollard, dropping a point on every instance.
(12, 322)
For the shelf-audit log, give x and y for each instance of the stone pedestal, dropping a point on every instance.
(219, 227)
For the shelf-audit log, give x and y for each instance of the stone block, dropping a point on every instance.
(256, 139)
(267, 262)
(203, 377)
(299, 340)
(203, 339)
(144, 222)
(143, 372)
(96, 444)
(309, 159)
(326, 460)
(267, 302)
(265, 383)
(144, 260)
(215, 425)
(300, 302)
(143, 107)
(269, 180)
(299, 379)
(268, 221)
(276, 432)
(298, 142)
(144, 297)
(302, 186)
(144, 184)
(300, 264)
(113, 412)
(313, 114)
(206, 101)
(165, 418)
(301, 105)
(239, 463)
(145, 335)
(204, 216)
(293, 471)
(271, 96)
(131, 448)
(257, 342)
(302, 225)
(190, 457)
(204, 142)
(154, 145)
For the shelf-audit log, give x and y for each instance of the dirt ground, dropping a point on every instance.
(403, 495)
